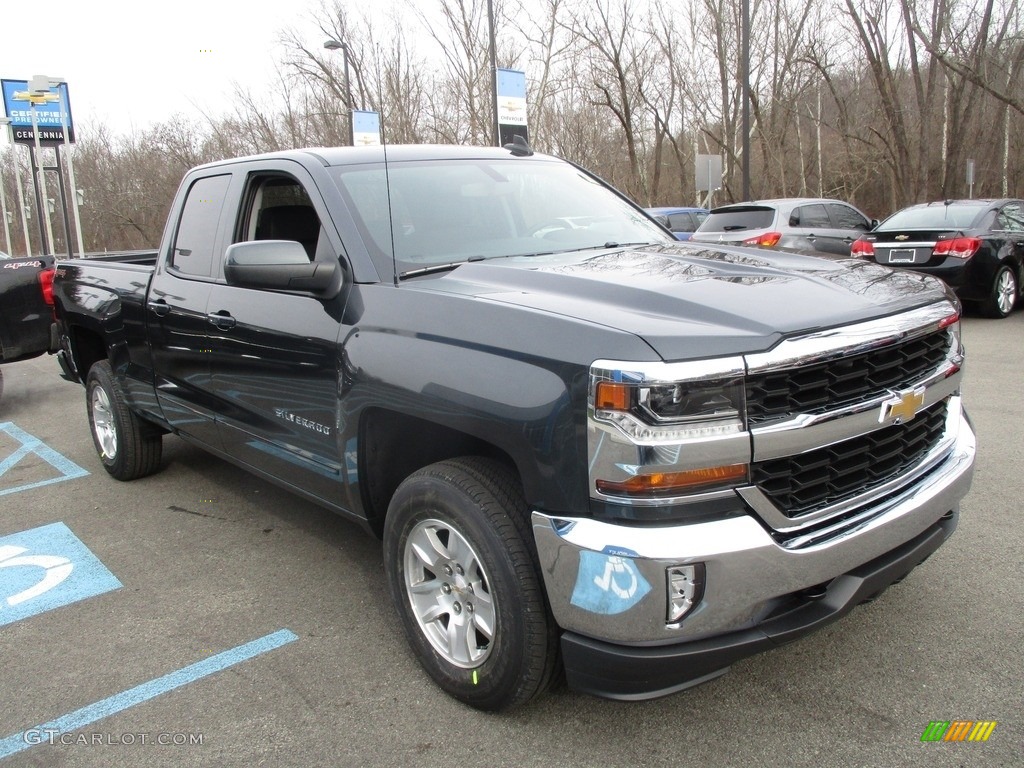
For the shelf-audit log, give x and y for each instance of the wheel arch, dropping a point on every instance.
(394, 445)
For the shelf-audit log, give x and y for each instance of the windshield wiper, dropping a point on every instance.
(609, 244)
(437, 268)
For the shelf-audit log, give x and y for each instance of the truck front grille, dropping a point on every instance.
(802, 484)
(823, 386)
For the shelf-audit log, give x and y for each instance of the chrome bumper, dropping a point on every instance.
(608, 581)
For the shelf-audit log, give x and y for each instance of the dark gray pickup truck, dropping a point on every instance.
(586, 446)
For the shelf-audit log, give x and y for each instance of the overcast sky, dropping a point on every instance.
(131, 64)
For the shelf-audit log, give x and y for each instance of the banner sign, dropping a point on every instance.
(365, 128)
(18, 106)
(511, 89)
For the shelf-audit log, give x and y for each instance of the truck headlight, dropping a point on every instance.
(662, 430)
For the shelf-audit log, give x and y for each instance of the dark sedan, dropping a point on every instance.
(976, 246)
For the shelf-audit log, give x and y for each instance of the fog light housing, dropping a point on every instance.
(685, 589)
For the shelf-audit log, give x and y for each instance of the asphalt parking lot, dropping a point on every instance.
(220, 621)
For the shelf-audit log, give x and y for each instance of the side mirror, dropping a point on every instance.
(280, 265)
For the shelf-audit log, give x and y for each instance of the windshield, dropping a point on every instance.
(940, 216)
(447, 211)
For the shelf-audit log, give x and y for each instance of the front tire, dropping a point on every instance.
(466, 585)
(128, 446)
(1003, 293)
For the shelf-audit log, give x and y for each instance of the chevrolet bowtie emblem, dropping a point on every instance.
(903, 406)
(902, 237)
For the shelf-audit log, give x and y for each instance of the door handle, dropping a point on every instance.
(222, 320)
(159, 307)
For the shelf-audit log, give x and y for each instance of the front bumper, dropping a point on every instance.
(608, 589)
(633, 673)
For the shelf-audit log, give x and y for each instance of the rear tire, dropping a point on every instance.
(1003, 294)
(466, 585)
(128, 446)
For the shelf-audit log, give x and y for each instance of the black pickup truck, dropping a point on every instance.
(586, 446)
(26, 308)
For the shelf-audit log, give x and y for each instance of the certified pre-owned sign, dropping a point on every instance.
(19, 105)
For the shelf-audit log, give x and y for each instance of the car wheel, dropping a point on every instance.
(466, 585)
(1003, 294)
(128, 447)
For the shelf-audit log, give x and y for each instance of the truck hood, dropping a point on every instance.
(690, 300)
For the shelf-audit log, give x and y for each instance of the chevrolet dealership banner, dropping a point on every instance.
(18, 103)
(365, 128)
(511, 105)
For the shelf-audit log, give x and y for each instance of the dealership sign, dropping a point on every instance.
(365, 128)
(511, 90)
(20, 102)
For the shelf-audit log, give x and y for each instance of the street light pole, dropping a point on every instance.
(21, 189)
(334, 45)
(494, 74)
(745, 55)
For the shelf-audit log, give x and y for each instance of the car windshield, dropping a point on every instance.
(958, 216)
(447, 211)
(737, 219)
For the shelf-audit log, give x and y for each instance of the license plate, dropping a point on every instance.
(901, 256)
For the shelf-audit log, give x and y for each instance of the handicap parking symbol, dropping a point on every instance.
(54, 468)
(46, 568)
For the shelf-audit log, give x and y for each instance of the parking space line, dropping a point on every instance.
(30, 444)
(113, 704)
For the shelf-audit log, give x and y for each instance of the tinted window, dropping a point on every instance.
(1011, 218)
(810, 216)
(846, 217)
(681, 222)
(197, 229)
(736, 219)
(937, 216)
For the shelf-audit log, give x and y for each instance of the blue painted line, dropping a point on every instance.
(30, 444)
(144, 692)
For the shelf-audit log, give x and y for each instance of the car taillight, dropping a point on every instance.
(46, 285)
(769, 239)
(957, 247)
(863, 248)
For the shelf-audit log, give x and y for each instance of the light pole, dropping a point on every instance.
(494, 74)
(65, 112)
(21, 191)
(334, 45)
(745, 90)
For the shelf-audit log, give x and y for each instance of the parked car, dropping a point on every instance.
(682, 221)
(801, 223)
(976, 246)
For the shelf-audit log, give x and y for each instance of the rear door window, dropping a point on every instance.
(813, 215)
(1011, 218)
(196, 239)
